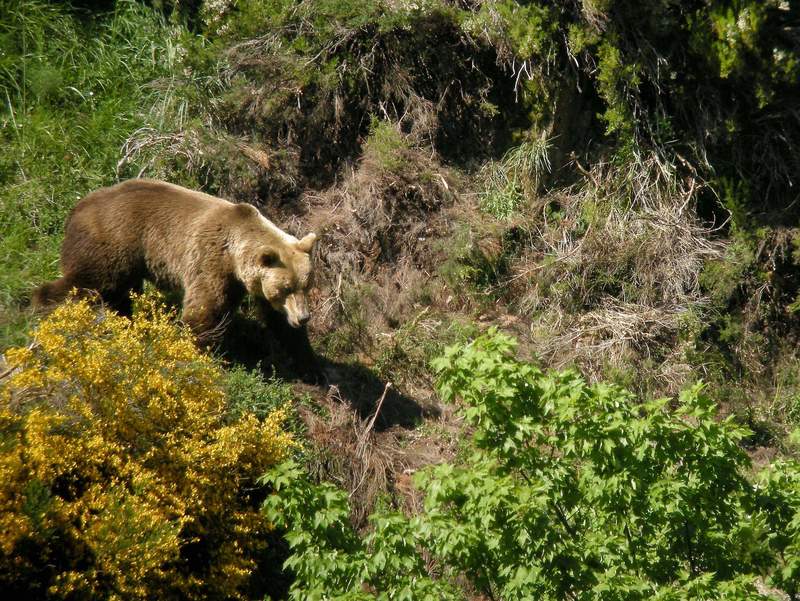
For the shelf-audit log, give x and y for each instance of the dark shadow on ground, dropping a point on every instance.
(360, 387)
(247, 342)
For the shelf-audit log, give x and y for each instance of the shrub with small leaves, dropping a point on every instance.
(329, 561)
(120, 477)
(568, 491)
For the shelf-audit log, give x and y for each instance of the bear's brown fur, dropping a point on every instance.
(213, 250)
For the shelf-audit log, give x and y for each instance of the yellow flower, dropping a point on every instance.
(115, 447)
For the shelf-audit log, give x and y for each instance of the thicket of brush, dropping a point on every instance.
(129, 462)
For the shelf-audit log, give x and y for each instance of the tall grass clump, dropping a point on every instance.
(122, 473)
(517, 176)
(73, 88)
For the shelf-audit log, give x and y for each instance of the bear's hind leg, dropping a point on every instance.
(52, 293)
(119, 299)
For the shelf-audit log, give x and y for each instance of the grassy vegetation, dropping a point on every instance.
(74, 86)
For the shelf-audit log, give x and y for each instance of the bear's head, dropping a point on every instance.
(272, 264)
(285, 277)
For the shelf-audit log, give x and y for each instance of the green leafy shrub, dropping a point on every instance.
(593, 492)
(329, 561)
(570, 491)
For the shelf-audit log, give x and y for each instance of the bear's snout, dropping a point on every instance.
(297, 320)
(296, 310)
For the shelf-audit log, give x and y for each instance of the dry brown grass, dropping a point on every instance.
(381, 214)
(370, 463)
(613, 279)
(227, 165)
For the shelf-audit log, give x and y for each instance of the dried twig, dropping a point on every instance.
(368, 428)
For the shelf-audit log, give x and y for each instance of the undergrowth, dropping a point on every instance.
(568, 490)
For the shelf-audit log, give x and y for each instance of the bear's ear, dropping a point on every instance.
(307, 243)
(269, 259)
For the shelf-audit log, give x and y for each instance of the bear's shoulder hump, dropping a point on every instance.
(245, 211)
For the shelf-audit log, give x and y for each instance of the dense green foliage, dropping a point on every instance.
(568, 491)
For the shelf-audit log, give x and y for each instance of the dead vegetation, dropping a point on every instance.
(374, 464)
(234, 166)
(607, 272)
(384, 210)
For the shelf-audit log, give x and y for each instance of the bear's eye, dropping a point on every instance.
(269, 260)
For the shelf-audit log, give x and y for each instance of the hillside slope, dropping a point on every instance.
(613, 184)
(617, 191)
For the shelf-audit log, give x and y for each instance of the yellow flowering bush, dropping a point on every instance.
(120, 476)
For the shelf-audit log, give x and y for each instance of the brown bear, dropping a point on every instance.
(213, 250)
